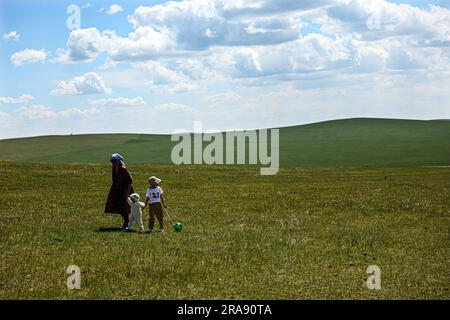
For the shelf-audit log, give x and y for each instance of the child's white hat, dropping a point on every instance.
(154, 180)
(135, 197)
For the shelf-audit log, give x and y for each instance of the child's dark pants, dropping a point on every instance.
(156, 209)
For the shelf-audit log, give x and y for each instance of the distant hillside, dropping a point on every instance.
(369, 142)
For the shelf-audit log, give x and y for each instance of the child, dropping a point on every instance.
(136, 212)
(155, 197)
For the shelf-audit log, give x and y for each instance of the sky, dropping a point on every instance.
(159, 66)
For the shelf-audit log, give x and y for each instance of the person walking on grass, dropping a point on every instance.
(121, 188)
(156, 199)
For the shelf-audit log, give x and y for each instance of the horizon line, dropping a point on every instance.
(222, 131)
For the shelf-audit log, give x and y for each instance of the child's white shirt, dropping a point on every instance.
(154, 194)
(136, 207)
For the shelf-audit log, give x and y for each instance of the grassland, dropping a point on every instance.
(352, 142)
(304, 233)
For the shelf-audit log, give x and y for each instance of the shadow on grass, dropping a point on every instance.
(109, 229)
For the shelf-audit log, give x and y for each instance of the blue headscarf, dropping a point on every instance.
(117, 157)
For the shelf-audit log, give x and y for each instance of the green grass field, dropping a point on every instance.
(352, 142)
(349, 194)
(302, 234)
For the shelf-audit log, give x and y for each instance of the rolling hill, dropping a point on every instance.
(349, 142)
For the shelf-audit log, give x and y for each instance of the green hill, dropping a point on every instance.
(370, 142)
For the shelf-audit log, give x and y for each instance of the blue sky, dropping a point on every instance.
(156, 66)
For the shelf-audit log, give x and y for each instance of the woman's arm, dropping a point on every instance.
(125, 180)
(128, 189)
(127, 176)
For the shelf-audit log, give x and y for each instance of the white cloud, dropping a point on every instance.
(251, 39)
(88, 83)
(321, 55)
(175, 107)
(174, 27)
(224, 98)
(22, 99)
(113, 9)
(28, 56)
(85, 45)
(195, 69)
(319, 48)
(209, 26)
(75, 112)
(377, 19)
(387, 95)
(258, 8)
(159, 73)
(37, 112)
(165, 80)
(4, 115)
(12, 35)
(130, 102)
(41, 112)
(173, 88)
(313, 53)
(145, 43)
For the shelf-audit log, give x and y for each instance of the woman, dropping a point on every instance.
(120, 190)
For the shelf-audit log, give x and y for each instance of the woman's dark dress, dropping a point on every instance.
(120, 190)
